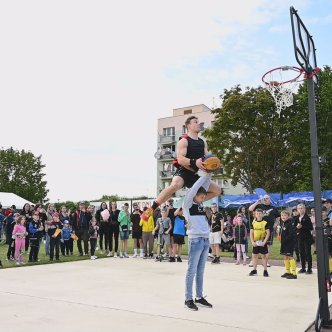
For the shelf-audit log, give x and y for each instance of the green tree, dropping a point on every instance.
(252, 141)
(300, 138)
(22, 173)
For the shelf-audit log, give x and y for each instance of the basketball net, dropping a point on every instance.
(282, 85)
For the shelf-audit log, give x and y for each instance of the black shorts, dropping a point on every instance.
(178, 239)
(260, 250)
(188, 177)
(287, 249)
(137, 235)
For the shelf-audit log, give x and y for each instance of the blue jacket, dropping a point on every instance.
(66, 233)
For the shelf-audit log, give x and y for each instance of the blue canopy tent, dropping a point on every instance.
(230, 201)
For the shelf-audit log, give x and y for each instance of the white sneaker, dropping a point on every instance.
(134, 256)
(115, 255)
(211, 256)
(17, 263)
(125, 255)
(109, 254)
(141, 255)
(121, 255)
(93, 257)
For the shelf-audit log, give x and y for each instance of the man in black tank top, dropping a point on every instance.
(190, 151)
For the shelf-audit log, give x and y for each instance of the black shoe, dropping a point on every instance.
(203, 303)
(253, 273)
(216, 260)
(285, 275)
(302, 271)
(1, 264)
(171, 259)
(178, 259)
(151, 255)
(191, 305)
(157, 259)
(145, 256)
(292, 276)
(265, 274)
(308, 272)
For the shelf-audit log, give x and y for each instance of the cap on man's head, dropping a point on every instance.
(329, 200)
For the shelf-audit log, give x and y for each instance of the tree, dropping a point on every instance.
(252, 140)
(21, 173)
(300, 138)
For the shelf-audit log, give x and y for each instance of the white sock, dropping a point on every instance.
(135, 251)
(120, 253)
(141, 251)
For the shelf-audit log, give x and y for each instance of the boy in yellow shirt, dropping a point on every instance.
(147, 236)
(259, 234)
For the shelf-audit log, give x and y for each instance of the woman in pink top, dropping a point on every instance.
(19, 233)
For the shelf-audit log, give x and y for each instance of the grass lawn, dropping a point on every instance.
(44, 259)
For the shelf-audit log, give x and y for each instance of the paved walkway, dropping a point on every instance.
(142, 295)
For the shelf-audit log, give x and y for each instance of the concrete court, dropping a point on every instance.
(143, 295)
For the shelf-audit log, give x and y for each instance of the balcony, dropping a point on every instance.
(164, 140)
(166, 174)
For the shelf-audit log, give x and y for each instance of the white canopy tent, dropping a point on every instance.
(9, 199)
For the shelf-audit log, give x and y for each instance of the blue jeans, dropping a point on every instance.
(198, 252)
(47, 244)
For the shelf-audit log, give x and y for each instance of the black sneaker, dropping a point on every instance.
(191, 305)
(178, 259)
(253, 273)
(203, 303)
(308, 272)
(216, 260)
(265, 274)
(302, 271)
(292, 276)
(157, 259)
(285, 275)
(145, 256)
(171, 259)
(151, 255)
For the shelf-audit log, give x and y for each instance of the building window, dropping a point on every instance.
(184, 129)
(170, 131)
(201, 126)
(187, 111)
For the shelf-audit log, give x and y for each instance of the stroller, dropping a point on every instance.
(227, 242)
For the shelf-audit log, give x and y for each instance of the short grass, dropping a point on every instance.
(45, 260)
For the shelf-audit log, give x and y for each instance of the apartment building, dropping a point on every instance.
(170, 130)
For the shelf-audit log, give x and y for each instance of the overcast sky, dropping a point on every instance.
(83, 82)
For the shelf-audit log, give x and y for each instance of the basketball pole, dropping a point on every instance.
(322, 261)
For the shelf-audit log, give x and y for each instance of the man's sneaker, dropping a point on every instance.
(172, 259)
(157, 259)
(292, 276)
(210, 256)
(202, 302)
(141, 255)
(121, 255)
(145, 256)
(110, 254)
(309, 272)
(253, 273)
(285, 275)
(115, 255)
(151, 255)
(191, 305)
(147, 214)
(216, 260)
(265, 273)
(268, 265)
(125, 255)
(135, 255)
(178, 259)
(302, 271)
(93, 257)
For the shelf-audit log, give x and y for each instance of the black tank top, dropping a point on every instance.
(195, 149)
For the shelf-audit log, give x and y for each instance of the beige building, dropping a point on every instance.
(170, 130)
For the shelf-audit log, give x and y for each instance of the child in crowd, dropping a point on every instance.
(163, 226)
(178, 233)
(240, 237)
(147, 236)
(93, 235)
(19, 234)
(198, 236)
(259, 234)
(327, 223)
(54, 232)
(66, 234)
(11, 222)
(35, 234)
(288, 240)
(216, 223)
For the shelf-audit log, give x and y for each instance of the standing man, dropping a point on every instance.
(190, 151)
(81, 228)
(270, 214)
(216, 223)
(303, 231)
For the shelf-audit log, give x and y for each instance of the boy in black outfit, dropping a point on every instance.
(35, 234)
(54, 231)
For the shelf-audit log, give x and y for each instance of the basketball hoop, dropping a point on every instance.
(282, 82)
